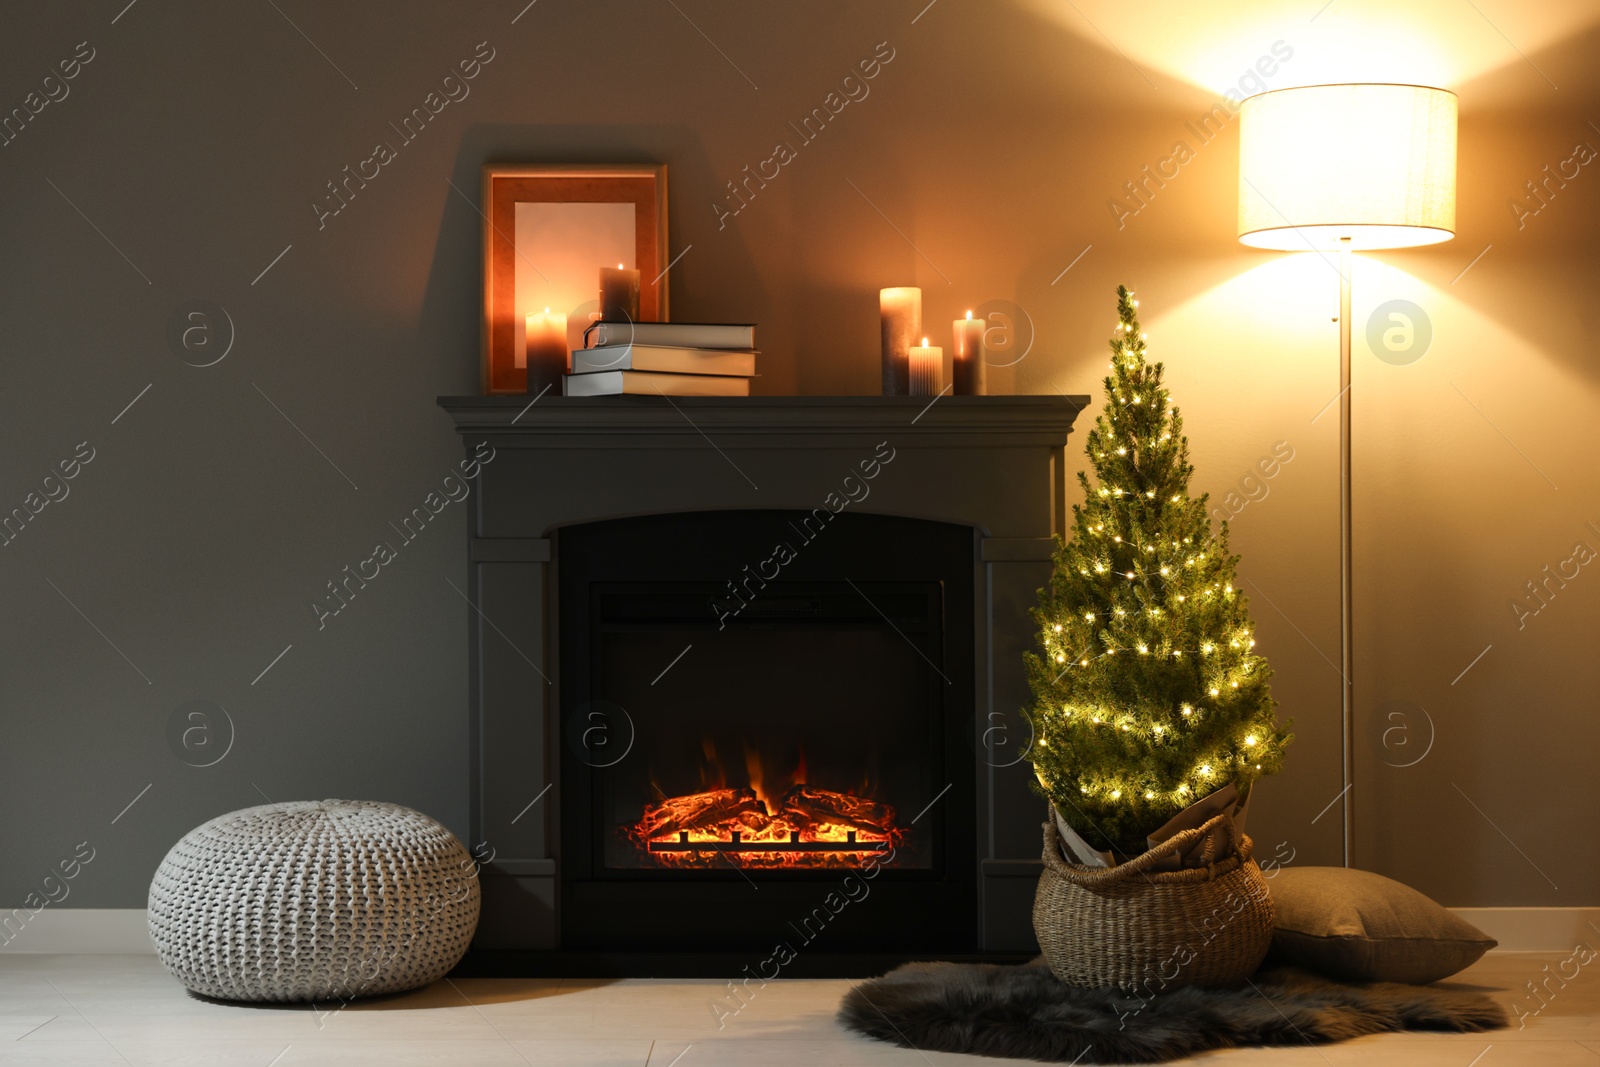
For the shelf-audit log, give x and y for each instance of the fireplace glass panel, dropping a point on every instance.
(803, 734)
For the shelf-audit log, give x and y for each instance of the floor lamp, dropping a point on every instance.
(1343, 168)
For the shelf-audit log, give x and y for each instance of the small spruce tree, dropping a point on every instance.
(1147, 695)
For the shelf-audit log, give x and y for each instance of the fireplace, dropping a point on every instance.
(733, 743)
(746, 672)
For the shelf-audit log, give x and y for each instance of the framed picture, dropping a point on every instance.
(547, 232)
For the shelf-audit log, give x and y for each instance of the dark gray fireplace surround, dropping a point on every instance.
(994, 465)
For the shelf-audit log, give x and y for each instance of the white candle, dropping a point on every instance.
(547, 349)
(966, 365)
(900, 314)
(926, 366)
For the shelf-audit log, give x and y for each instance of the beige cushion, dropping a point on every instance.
(1363, 927)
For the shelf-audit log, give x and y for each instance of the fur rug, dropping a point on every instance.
(1025, 1013)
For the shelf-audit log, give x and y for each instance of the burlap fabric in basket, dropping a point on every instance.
(314, 900)
(1144, 930)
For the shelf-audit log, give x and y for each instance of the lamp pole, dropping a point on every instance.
(1346, 628)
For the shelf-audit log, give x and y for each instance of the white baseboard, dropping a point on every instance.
(78, 931)
(1536, 929)
(75, 931)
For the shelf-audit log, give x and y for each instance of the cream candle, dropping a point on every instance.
(966, 364)
(925, 365)
(900, 315)
(619, 294)
(547, 349)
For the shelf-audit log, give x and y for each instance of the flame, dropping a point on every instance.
(752, 770)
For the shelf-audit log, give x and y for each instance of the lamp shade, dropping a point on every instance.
(1374, 163)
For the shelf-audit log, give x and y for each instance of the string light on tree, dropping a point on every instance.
(1157, 582)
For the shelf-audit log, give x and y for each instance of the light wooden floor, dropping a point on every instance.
(72, 1010)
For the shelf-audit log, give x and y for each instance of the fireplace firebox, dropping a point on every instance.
(760, 733)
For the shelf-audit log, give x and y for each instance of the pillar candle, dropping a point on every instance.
(547, 350)
(966, 365)
(619, 294)
(900, 314)
(926, 369)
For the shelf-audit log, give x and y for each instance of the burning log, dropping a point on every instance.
(755, 820)
(699, 811)
(809, 807)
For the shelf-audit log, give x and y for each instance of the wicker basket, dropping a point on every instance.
(1145, 931)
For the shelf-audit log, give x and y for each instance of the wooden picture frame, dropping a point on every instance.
(573, 214)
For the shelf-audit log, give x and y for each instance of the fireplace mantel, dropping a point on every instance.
(804, 421)
(996, 464)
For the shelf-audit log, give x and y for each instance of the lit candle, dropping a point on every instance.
(619, 294)
(900, 312)
(547, 349)
(925, 365)
(966, 365)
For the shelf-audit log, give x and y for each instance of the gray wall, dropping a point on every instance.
(186, 555)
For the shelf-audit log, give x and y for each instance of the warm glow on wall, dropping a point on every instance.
(1218, 48)
(1374, 163)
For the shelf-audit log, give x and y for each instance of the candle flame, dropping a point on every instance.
(547, 311)
(924, 342)
(969, 314)
(619, 266)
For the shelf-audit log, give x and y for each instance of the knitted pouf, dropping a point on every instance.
(313, 900)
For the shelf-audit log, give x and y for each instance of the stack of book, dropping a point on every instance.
(674, 358)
